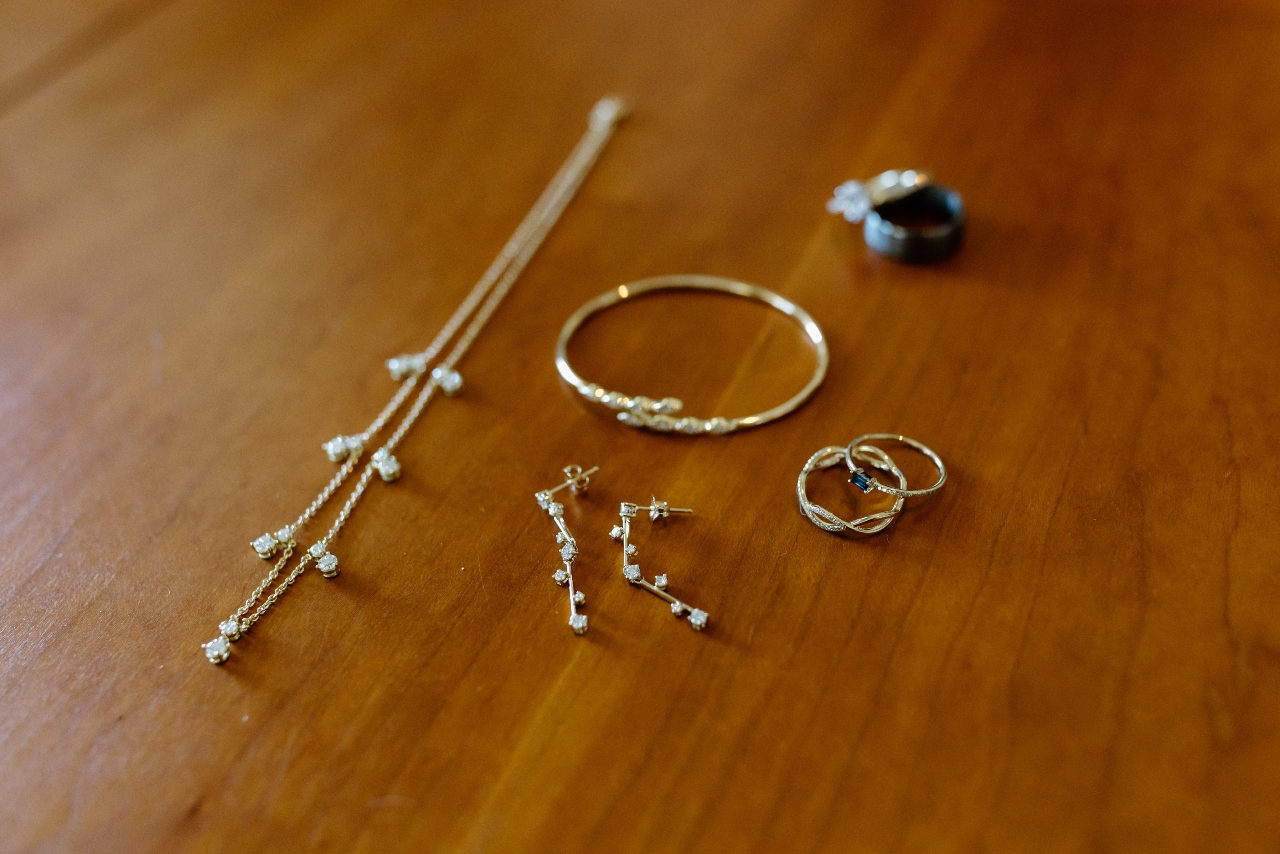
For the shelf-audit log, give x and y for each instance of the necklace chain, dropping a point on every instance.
(477, 308)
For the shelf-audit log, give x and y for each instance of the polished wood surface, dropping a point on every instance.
(217, 219)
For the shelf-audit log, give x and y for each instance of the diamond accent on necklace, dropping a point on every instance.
(631, 549)
(578, 622)
(616, 532)
(579, 597)
(632, 572)
(318, 550)
(677, 608)
(265, 546)
(340, 448)
(387, 466)
(660, 582)
(698, 619)
(230, 628)
(567, 552)
(328, 566)
(217, 650)
(449, 380)
(403, 367)
(561, 577)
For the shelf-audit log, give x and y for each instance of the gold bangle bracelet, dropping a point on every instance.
(661, 415)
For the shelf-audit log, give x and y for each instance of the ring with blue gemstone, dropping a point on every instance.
(863, 449)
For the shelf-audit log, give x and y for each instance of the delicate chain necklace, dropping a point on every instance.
(477, 308)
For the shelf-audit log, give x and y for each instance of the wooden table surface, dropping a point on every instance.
(218, 219)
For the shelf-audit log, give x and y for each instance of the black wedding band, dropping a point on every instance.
(922, 227)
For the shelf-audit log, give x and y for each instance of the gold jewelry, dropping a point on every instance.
(474, 311)
(631, 571)
(577, 481)
(660, 415)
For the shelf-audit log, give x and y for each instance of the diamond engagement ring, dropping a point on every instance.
(904, 215)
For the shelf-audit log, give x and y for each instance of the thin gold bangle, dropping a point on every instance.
(660, 415)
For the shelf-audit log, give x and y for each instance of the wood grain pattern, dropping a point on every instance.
(218, 222)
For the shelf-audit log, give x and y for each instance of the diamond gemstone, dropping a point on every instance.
(284, 536)
(628, 511)
(317, 550)
(579, 597)
(336, 449)
(544, 499)
(660, 582)
(555, 509)
(265, 546)
(449, 380)
(631, 548)
(328, 566)
(217, 649)
(578, 622)
(632, 572)
(698, 619)
(388, 467)
(567, 552)
(616, 532)
(561, 577)
(230, 628)
(851, 200)
(677, 608)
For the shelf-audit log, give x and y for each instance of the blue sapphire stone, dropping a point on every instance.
(861, 479)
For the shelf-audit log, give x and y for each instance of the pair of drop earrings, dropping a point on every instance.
(576, 481)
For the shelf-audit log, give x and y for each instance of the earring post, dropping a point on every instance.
(571, 481)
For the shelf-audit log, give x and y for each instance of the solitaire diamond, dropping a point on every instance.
(561, 577)
(698, 619)
(660, 582)
(632, 572)
(265, 546)
(851, 200)
(217, 649)
(578, 622)
(328, 566)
